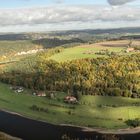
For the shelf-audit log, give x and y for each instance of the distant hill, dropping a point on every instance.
(88, 33)
(102, 31)
(54, 42)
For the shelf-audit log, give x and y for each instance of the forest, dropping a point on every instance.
(112, 76)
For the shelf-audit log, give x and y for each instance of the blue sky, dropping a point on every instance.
(48, 15)
(33, 3)
(30, 3)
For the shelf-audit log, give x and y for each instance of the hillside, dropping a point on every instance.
(101, 49)
(89, 112)
(72, 33)
(102, 74)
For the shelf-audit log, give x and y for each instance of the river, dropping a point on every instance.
(29, 129)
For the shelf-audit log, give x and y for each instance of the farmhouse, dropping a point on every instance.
(39, 94)
(70, 99)
(17, 89)
(130, 50)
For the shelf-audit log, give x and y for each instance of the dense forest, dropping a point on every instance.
(54, 42)
(113, 76)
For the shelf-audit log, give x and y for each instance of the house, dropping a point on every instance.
(39, 94)
(17, 89)
(70, 99)
(130, 50)
(20, 90)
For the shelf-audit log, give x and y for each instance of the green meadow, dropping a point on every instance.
(81, 52)
(91, 111)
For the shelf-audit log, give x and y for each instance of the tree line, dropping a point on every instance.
(113, 76)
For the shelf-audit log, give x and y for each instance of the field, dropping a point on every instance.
(9, 49)
(89, 51)
(92, 111)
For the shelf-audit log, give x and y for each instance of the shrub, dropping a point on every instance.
(133, 123)
(126, 93)
(39, 109)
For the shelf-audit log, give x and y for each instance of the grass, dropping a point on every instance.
(78, 52)
(13, 47)
(87, 113)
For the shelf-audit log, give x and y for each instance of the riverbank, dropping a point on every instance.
(85, 129)
(105, 131)
(90, 111)
(26, 128)
(4, 136)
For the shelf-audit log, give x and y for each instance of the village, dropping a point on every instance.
(70, 99)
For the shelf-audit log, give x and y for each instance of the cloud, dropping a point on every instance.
(119, 2)
(52, 14)
(60, 16)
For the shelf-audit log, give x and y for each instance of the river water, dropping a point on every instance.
(29, 129)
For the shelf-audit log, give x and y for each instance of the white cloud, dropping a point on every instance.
(62, 15)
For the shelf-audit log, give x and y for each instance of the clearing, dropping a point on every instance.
(90, 50)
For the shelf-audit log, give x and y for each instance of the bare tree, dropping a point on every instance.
(130, 43)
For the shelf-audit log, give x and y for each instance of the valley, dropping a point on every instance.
(66, 81)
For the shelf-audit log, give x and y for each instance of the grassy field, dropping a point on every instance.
(92, 111)
(9, 49)
(82, 51)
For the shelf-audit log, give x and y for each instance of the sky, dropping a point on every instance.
(51, 15)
